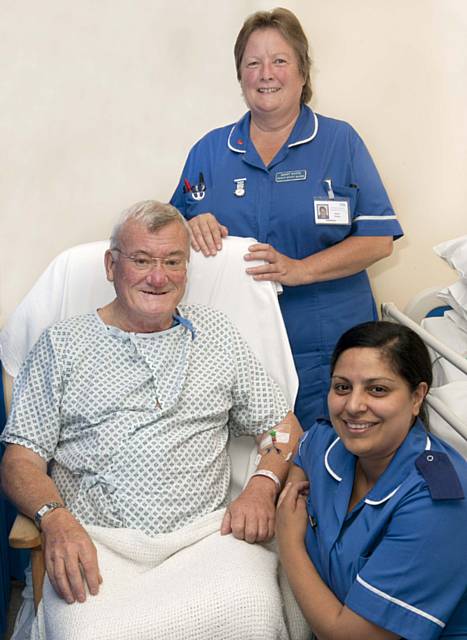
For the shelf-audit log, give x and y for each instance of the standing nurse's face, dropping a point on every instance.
(270, 79)
(371, 407)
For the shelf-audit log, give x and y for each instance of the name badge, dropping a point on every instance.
(290, 176)
(334, 211)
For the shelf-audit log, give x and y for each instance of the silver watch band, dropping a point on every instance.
(44, 510)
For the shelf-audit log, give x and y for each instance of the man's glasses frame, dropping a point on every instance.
(145, 263)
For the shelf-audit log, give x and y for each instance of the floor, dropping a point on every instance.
(15, 602)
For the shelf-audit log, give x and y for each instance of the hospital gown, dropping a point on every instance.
(135, 426)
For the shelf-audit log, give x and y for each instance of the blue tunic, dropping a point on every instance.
(399, 557)
(275, 204)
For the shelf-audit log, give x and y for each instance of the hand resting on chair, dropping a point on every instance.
(70, 555)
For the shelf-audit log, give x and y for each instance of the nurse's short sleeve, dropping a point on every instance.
(311, 444)
(178, 198)
(34, 420)
(416, 576)
(258, 402)
(374, 215)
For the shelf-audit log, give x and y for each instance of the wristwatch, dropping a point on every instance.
(46, 508)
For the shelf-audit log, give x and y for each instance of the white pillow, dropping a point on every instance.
(458, 320)
(455, 254)
(454, 397)
(456, 297)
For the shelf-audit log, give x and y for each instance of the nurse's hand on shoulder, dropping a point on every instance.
(291, 514)
(207, 233)
(278, 267)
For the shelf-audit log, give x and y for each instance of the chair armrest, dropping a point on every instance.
(24, 534)
(7, 389)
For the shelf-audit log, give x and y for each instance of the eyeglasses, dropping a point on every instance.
(146, 263)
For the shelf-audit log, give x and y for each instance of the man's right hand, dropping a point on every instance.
(70, 557)
(207, 233)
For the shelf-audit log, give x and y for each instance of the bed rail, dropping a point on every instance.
(391, 312)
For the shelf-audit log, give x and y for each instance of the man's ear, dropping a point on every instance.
(109, 264)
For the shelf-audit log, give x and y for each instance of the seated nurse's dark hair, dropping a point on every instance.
(402, 348)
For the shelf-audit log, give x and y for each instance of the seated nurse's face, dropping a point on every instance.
(371, 407)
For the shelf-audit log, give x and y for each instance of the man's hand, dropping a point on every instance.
(207, 234)
(251, 516)
(70, 557)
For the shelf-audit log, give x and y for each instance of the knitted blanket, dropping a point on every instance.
(192, 583)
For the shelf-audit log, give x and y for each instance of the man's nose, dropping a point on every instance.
(157, 275)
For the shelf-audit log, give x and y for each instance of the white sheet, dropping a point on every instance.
(217, 587)
(454, 396)
(446, 331)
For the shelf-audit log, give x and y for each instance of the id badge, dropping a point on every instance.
(335, 211)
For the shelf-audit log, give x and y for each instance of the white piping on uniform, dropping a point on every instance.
(302, 441)
(375, 217)
(376, 502)
(313, 135)
(330, 471)
(401, 603)
(230, 146)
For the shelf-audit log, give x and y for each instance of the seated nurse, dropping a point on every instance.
(371, 525)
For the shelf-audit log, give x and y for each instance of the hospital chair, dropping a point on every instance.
(447, 399)
(75, 283)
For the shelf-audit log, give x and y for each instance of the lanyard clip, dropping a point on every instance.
(328, 182)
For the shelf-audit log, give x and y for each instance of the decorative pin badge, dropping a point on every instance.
(240, 187)
(197, 195)
(198, 191)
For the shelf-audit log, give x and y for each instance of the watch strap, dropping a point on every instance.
(44, 510)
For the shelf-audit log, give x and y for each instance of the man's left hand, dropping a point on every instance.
(251, 516)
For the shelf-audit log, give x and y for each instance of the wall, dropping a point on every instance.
(102, 100)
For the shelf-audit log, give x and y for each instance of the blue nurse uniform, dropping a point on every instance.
(275, 205)
(398, 558)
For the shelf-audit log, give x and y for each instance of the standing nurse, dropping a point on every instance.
(270, 176)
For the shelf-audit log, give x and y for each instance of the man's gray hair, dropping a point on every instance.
(153, 214)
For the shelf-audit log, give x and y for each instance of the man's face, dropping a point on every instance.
(147, 298)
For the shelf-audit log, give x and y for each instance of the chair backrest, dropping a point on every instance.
(75, 283)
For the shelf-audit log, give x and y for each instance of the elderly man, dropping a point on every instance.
(130, 409)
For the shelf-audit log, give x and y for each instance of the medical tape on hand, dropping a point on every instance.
(266, 442)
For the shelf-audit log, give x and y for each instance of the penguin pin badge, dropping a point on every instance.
(240, 187)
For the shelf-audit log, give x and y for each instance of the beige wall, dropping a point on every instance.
(102, 100)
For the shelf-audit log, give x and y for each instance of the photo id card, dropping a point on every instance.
(334, 211)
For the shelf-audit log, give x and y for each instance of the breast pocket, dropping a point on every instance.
(329, 231)
(198, 202)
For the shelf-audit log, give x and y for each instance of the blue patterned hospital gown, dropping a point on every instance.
(135, 426)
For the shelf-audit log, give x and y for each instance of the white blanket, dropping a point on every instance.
(192, 583)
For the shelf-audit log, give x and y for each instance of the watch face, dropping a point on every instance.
(50, 506)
